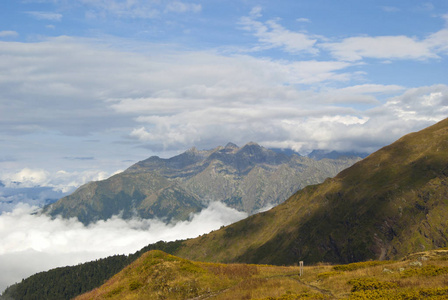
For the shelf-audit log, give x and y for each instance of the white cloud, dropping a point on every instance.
(47, 16)
(273, 35)
(390, 47)
(35, 196)
(59, 181)
(8, 33)
(360, 94)
(34, 243)
(438, 41)
(306, 120)
(381, 47)
(181, 7)
(170, 100)
(303, 20)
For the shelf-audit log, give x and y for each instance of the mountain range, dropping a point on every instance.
(248, 179)
(391, 204)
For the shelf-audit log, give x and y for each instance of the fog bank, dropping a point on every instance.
(33, 243)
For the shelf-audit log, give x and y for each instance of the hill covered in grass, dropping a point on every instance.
(157, 275)
(386, 206)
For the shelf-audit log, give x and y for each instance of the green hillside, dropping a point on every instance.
(157, 275)
(392, 203)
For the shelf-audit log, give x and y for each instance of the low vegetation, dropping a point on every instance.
(71, 281)
(157, 275)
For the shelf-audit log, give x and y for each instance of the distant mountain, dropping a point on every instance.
(247, 178)
(321, 154)
(386, 206)
(285, 151)
(34, 196)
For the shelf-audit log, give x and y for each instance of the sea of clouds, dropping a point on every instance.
(31, 242)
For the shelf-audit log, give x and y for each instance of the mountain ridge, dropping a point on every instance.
(247, 179)
(383, 207)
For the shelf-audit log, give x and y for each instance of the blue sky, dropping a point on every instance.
(88, 87)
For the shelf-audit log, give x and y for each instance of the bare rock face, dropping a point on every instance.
(249, 178)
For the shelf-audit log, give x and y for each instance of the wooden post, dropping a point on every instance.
(301, 268)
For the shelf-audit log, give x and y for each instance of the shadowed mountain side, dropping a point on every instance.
(388, 205)
(248, 179)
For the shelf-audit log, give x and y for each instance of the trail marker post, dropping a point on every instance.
(301, 268)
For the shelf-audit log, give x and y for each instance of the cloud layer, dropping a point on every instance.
(59, 181)
(171, 100)
(32, 243)
(105, 98)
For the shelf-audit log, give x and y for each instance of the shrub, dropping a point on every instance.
(325, 275)
(365, 284)
(391, 294)
(429, 270)
(291, 296)
(361, 265)
(135, 285)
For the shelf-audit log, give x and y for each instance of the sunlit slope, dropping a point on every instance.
(157, 275)
(146, 195)
(392, 203)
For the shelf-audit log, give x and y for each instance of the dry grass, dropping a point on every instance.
(157, 275)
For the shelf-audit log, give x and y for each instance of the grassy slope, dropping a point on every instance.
(388, 205)
(157, 275)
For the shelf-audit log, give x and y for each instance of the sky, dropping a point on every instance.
(89, 87)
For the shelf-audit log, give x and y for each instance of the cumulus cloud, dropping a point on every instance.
(311, 120)
(33, 243)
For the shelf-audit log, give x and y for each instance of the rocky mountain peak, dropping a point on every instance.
(231, 146)
(192, 150)
(251, 147)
